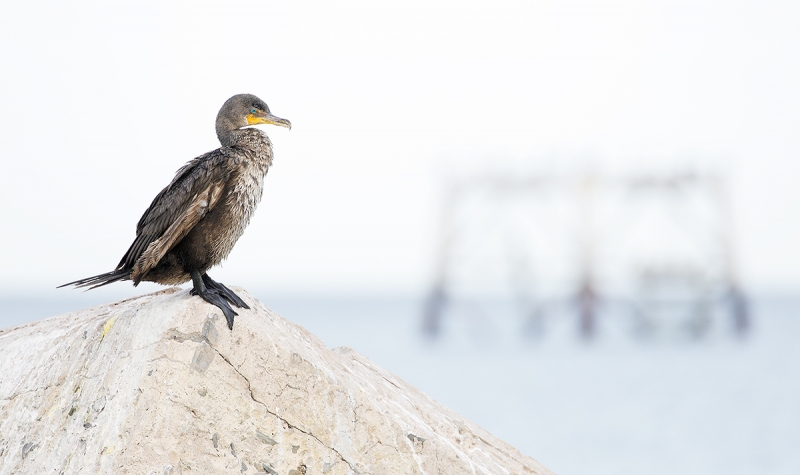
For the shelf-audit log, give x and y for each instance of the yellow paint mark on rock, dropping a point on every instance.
(53, 408)
(106, 452)
(108, 325)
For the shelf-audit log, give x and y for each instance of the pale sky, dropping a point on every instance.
(101, 103)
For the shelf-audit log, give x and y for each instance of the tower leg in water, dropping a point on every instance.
(216, 294)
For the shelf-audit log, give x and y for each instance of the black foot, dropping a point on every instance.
(216, 294)
(224, 291)
(214, 298)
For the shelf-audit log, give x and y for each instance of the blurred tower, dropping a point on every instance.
(586, 296)
(660, 247)
(700, 285)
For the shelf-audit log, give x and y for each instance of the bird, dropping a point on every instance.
(194, 222)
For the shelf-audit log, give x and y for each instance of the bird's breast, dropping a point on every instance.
(227, 222)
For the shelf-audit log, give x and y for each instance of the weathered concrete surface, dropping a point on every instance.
(159, 385)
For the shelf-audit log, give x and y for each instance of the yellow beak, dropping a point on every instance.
(253, 119)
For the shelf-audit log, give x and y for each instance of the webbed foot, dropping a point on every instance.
(214, 298)
(224, 291)
(218, 295)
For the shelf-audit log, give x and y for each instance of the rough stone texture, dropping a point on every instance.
(159, 385)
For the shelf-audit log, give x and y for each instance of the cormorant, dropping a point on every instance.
(195, 221)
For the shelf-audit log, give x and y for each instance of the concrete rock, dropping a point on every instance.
(159, 385)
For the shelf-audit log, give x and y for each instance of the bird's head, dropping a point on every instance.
(242, 110)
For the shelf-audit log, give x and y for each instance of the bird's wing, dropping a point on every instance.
(195, 190)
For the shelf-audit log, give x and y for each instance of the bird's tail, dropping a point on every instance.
(101, 280)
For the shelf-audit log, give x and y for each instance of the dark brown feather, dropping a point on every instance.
(172, 203)
(201, 204)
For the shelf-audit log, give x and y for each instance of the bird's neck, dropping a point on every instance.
(226, 134)
(245, 138)
(253, 144)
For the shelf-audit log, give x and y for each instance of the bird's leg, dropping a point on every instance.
(212, 296)
(224, 291)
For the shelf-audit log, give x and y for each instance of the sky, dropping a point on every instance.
(101, 103)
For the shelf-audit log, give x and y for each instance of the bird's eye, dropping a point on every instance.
(253, 111)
